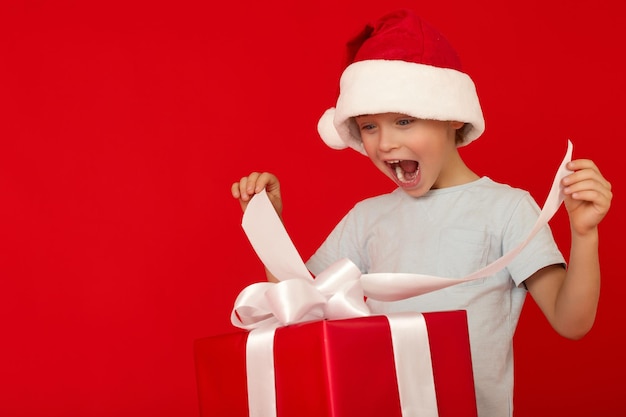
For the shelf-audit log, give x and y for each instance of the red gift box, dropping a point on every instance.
(337, 368)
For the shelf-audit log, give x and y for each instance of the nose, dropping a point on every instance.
(387, 141)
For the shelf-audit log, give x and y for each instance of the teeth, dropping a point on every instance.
(400, 173)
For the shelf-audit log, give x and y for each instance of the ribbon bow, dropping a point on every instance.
(335, 294)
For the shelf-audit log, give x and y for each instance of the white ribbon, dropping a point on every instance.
(398, 286)
(261, 391)
(409, 338)
(338, 292)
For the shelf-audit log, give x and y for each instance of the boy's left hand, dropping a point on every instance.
(587, 195)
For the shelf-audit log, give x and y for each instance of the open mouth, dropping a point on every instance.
(405, 171)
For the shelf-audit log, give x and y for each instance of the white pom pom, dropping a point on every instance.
(327, 131)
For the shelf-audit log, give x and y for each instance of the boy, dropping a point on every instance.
(406, 104)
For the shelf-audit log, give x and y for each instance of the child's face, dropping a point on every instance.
(416, 154)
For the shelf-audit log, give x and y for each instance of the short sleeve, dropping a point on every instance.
(541, 250)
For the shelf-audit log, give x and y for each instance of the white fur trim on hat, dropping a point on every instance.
(395, 86)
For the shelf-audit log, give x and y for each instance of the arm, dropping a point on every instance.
(569, 298)
(247, 187)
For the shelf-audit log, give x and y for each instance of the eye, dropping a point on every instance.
(367, 126)
(405, 122)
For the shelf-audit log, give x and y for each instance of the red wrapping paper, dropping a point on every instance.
(337, 368)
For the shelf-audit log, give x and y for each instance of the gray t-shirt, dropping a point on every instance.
(452, 232)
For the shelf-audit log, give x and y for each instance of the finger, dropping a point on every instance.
(238, 189)
(244, 185)
(234, 190)
(590, 173)
(250, 184)
(267, 181)
(601, 186)
(594, 198)
(578, 164)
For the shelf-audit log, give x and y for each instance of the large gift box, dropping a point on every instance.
(313, 348)
(341, 368)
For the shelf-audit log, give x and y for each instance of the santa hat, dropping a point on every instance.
(400, 64)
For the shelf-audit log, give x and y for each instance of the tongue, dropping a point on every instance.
(408, 166)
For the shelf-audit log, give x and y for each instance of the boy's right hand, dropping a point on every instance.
(253, 184)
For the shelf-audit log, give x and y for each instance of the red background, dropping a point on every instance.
(123, 125)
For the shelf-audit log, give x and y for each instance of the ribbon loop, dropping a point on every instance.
(295, 300)
(338, 273)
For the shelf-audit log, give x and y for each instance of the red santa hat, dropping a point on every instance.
(401, 64)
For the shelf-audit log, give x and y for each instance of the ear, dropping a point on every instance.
(456, 125)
